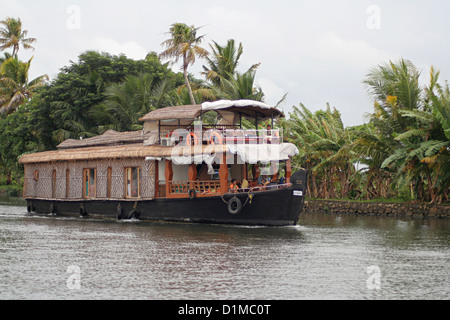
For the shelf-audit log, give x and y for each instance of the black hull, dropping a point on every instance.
(268, 208)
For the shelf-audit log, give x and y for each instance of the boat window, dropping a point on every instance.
(89, 183)
(132, 180)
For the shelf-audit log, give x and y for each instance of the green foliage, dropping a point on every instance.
(324, 142)
(404, 150)
(78, 101)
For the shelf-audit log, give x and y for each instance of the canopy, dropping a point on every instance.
(252, 154)
(228, 109)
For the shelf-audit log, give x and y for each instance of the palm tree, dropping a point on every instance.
(223, 64)
(14, 85)
(395, 87)
(12, 35)
(241, 86)
(424, 154)
(411, 130)
(184, 44)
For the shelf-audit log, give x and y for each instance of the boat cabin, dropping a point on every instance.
(176, 155)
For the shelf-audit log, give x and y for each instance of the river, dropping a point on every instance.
(325, 257)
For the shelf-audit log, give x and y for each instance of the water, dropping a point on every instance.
(326, 257)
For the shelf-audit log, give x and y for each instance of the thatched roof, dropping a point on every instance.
(177, 112)
(117, 152)
(109, 138)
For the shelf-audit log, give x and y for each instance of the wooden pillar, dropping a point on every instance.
(192, 172)
(223, 174)
(25, 181)
(245, 171)
(288, 172)
(192, 175)
(169, 176)
(256, 172)
(156, 175)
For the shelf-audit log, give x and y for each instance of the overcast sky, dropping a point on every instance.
(316, 51)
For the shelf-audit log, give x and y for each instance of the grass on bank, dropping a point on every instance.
(11, 190)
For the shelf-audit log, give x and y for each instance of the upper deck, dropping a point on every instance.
(184, 124)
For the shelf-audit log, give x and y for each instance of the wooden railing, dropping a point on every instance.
(200, 187)
(212, 188)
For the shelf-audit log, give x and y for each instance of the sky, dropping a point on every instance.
(318, 52)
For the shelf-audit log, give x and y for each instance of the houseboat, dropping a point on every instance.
(177, 169)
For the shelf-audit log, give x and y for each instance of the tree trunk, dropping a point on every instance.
(8, 178)
(186, 80)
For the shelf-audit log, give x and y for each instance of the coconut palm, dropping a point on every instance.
(241, 86)
(224, 62)
(15, 88)
(409, 140)
(184, 44)
(424, 154)
(12, 36)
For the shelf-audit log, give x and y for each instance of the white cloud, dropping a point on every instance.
(131, 49)
(357, 53)
(273, 92)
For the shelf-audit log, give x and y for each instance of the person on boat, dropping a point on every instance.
(263, 182)
(245, 184)
(269, 134)
(234, 185)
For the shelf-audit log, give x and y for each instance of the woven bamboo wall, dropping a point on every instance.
(43, 187)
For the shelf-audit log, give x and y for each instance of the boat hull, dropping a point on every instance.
(280, 207)
(269, 208)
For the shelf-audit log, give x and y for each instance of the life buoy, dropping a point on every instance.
(191, 136)
(234, 205)
(192, 194)
(213, 136)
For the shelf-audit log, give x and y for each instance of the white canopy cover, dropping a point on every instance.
(224, 104)
(252, 154)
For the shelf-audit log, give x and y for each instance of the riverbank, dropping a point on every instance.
(401, 209)
(11, 191)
